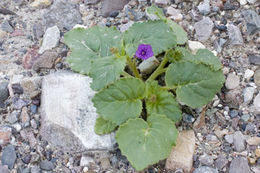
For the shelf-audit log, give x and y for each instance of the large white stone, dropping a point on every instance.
(68, 114)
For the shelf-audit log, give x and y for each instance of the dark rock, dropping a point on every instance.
(109, 6)
(229, 6)
(221, 162)
(9, 156)
(188, 118)
(38, 30)
(254, 59)
(233, 113)
(17, 89)
(6, 11)
(4, 93)
(91, 2)
(19, 103)
(252, 21)
(239, 165)
(205, 169)
(45, 61)
(46, 165)
(5, 26)
(62, 13)
(26, 159)
(33, 109)
(113, 14)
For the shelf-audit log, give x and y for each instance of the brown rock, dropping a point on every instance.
(25, 118)
(253, 141)
(29, 136)
(257, 152)
(30, 57)
(5, 135)
(45, 61)
(181, 156)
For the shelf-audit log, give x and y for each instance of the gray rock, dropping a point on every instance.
(205, 159)
(109, 6)
(161, 2)
(229, 139)
(239, 141)
(4, 93)
(234, 35)
(254, 59)
(86, 160)
(203, 29)
(257, 102)
(257, 77)
(126, 26)
(4, 169)
(204, 7)
(45, 61)
(5, 26)
(248, 94)
(9, 156)
(50, 39)
(252, 21)
(91, 2)
(221, 162)
(232, 81)
(62, 13)
(72, 127)
(147, 66)
(47, 165)
(239, 165)
(38, 30)
(205, 169)
(13, 117)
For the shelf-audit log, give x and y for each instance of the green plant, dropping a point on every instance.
(141, 110)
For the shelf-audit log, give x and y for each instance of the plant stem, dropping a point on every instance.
(133, 68)
(159, 70)
(125, 74)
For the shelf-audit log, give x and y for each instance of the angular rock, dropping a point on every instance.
(91, 2)
(109, 6)
(46, 165)
(232, 81)
(25, 117)
(239, 141)
(50, 39)
(229, 138)
(41, 3)
(13, 117)
(194, 46)
(31, 84)
(234, 35)
(161, 2)
(5, 26)
(181, 156)
(38, 30)
(204, 7)
(62, 13)
(147, 66)
(257, 102)
(30, 57)
(254, 59)
(68, 96)
(239, 165)
(253, 140)
(205, 159)
(45, 61)
(248, 94)
(9, 156)
(221, 162)
(4, 93)
(205, 169)
(252, 21)
(28, 135)
(174, 13)
(248, 74)
(5, 135)
(242, 2)
(257, 77)
(86, 160)
(203, 29)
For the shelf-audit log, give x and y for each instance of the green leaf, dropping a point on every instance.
(121, 100)
(196, 84)
(89, 44)
(154, 10)
(161, 102)
(156, 33)
(206, 57)
(180, 33)
(145, 143)
(103, 126)
(106, 70)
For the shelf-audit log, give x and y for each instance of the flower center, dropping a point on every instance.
(143, 52)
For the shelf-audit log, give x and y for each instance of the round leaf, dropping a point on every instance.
(145, 143)
(196, 84)
(161, 102)
(103, 126)
(121, 100)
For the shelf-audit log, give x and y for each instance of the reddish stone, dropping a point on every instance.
(17, 32)
(5, 135)
(30, 57)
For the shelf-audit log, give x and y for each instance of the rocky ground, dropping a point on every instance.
(31, 47)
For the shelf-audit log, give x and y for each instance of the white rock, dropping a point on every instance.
(234, 35)
(257, 102)
(162, 2)
(242, 2)
(68, 114)
(86, 160)
(126, 26)
(147, 66)
(194, 46)
(248, 94)
(232, 81)
(174, 13)
(80, 26)
(251, 1)
(248, 74)
(203, 29)
(50, 39)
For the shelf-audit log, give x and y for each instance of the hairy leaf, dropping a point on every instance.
(106, 70)
(154, 10)
(103, 126)
(145, 143)
(156, 33)
(121, 100)
(196, 84)
(161, 102)
(89, 44)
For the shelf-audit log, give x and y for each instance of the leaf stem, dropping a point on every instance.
(159, 70)
(133, 68)
(125, 74)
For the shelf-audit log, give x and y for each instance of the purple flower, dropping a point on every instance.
(144, 51)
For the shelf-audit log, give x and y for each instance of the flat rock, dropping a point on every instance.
(254, 59)
(62, 13)
(46, 165)
(248, 94)
(204, 7)
(206, 159)
(257, 102)
(4, 93)
(257, 77)
(232, 81)
(45, 61)
(239, 141)
(253, 140)
(109, 6)
(5, 26)
(147, 66)
(68, 96)
(50, 39)
(234, 35)
(205, 169)
(9, 156)
(221, 162)
(181, 156)
(252, 20)
(239, 165)
(203, 29)
(194, 46)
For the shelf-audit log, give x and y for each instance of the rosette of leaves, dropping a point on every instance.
(141, 111)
